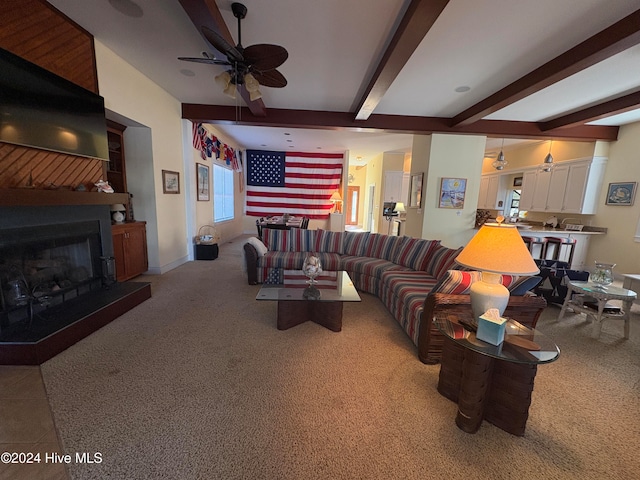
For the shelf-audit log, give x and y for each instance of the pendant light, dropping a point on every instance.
(548, 164)
(499, 163)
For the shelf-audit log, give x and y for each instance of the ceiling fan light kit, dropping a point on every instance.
(252, 66)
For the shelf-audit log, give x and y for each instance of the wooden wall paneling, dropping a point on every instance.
(18, 164)
(36, 31)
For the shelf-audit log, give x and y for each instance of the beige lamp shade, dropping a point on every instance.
(336, 197)
(400, 207)
(498, 248)
(118, 207)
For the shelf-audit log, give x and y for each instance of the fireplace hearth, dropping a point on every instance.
(57, 280)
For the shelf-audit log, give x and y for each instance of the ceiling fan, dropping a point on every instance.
(251, 66)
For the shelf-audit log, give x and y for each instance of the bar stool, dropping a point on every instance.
(558, 242)
(531, 243)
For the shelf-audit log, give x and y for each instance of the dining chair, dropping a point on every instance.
(305, 223)
(259, 227)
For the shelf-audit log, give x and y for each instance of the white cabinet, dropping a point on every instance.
(582, 192)
(557, 186)
(393, 181)
(528, 186)
(492, 192)
(571, 187)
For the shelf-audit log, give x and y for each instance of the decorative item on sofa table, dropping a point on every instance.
(496, 249)
(312, 268)
(118, 212)
(603, 274)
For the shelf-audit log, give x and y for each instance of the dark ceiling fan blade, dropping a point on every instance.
(270, 78)
(220, 44)
(211, 61)
(264, 56)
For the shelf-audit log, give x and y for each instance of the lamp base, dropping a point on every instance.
(488, 293)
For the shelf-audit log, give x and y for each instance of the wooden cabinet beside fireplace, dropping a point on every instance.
(130, 249)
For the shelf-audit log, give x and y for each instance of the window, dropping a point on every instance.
(222, 193)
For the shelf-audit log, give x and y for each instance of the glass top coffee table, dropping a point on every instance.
(490, 382)
(322, 303)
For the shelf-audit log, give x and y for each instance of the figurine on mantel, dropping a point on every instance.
(103, 186)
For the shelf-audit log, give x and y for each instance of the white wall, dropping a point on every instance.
(618, 245)
(446, 156)
(129, 93)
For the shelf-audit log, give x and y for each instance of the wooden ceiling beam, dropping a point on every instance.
(606, 109)
(206, 13)
(416, 22)
(612, 40)
(218, 114)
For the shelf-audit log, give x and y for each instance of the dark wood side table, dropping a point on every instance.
(489, 382)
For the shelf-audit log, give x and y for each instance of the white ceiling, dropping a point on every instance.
(335, 45)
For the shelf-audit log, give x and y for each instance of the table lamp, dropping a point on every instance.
(495, 250)
(336, 198)
(117, 212)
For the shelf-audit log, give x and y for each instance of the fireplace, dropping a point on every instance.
(57, 279)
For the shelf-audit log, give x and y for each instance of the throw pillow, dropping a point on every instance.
(302, 240)
(260, 247)
(328, 241)
(523, 285)
(414, 252)
(442, 260)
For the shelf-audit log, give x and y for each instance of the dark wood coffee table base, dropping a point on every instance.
(486, 389)
(327, 314)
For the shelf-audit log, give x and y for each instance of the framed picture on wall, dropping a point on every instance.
(452, 192)
(202, 178)
(621, 193)
(415, 190)
(170, 182)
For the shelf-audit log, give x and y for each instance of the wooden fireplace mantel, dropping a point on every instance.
(11, 197)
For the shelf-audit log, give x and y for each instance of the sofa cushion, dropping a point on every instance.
(442, 259)
(276, 240)
(302, 240)
(382, 246)
(414, 252)
(369, 266)
(354, 243)
(404, 294)
(329, 242)
(330, 261)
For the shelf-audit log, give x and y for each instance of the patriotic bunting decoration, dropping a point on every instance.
(210, 146)
(293, 182)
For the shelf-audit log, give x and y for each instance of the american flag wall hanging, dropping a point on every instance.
(296, 183)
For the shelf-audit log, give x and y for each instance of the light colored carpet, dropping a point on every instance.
(197, 383)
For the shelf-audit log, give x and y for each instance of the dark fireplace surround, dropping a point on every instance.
(57, 279)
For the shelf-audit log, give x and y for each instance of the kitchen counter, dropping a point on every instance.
(581, 246)
(556, 231)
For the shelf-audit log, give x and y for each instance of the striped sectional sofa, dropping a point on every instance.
(404, 272)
